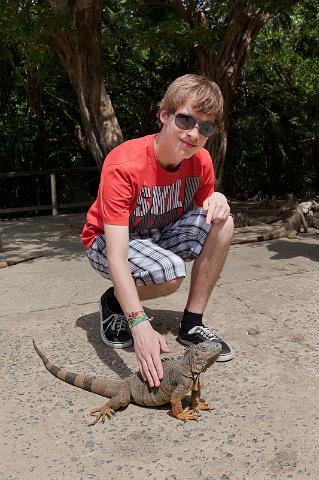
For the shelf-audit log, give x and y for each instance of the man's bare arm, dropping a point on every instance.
(148, 343)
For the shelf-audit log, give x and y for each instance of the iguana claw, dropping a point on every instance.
(101, 413)
(187, 414)
(201, 405)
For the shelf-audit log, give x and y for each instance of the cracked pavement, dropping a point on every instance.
(265, 422)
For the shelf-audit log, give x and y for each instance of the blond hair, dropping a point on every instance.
(203, 94)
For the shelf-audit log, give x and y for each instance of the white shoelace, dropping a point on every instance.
(117, 323)
(206, 332)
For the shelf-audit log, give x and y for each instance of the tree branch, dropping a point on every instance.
(179, 7)
(235, 47)
(81, 58)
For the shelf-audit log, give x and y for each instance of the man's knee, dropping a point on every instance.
(229, 227)
(171, 286)
(225, 230)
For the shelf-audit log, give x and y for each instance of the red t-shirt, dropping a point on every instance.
(135, 190)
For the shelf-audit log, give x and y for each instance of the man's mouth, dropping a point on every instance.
(188, 144)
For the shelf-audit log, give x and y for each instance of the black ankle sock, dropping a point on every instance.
(191, 320)
(112, 301)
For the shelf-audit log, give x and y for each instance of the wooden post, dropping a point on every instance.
(53, 194)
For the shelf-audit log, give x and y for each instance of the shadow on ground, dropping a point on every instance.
(43, 236)
(285, 249)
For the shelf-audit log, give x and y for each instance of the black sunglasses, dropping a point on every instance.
(187, 122)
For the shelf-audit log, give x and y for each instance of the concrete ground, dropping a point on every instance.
(265, 425)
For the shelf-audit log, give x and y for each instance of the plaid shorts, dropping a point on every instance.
(161, 256)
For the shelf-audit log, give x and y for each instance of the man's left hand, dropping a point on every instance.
(216, 208)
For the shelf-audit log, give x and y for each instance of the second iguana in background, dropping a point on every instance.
(181, 375)
(292, 226)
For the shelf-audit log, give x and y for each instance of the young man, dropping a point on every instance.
(156, 208)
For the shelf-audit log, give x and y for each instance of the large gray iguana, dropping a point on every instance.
(181, 375)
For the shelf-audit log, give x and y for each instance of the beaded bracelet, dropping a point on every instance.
(135, 318)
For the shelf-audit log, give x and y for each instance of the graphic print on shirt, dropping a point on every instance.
(160, 205)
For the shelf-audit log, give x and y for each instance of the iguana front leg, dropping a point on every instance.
(199, 403)
(303, 222)
(176, 403)
(109, 408)
(292, 234)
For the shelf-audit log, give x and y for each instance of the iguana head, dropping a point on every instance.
(203, 355)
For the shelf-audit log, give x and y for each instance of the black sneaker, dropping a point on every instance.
(115, 332)
(199, 334)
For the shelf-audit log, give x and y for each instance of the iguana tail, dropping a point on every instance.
(278, 233)
(86, 382)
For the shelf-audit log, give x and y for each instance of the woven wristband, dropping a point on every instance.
(135, 318)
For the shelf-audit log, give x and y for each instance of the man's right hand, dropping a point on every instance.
(148, 344)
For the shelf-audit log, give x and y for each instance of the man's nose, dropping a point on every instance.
(194, 132)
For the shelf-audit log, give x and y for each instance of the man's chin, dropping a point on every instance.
(188, 153)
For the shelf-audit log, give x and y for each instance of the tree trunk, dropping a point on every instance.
(82, 61)
(316, 162)
(34, 95)
(226, 66)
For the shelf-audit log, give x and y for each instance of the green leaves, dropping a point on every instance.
(281, 94)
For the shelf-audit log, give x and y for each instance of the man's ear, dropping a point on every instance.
(163, 116)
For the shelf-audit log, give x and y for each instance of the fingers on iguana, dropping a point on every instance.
(101, 413)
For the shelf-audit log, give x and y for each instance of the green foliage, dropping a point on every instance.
(140, 60)
(276, 117)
